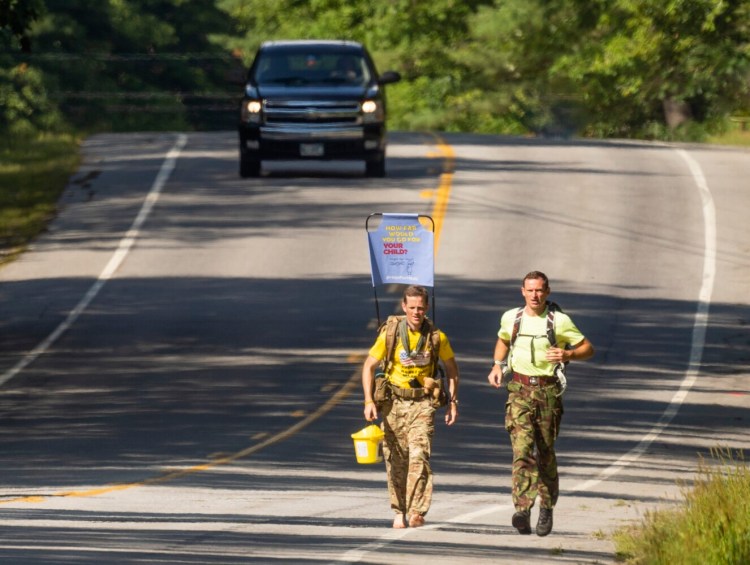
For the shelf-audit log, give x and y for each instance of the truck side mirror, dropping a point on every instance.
(389, 77)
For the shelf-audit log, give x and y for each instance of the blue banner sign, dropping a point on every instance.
(401, 251)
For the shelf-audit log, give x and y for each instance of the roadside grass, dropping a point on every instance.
(33, 173)
(735, 136)
(710, 527)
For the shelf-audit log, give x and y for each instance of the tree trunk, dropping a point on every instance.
(676, 112)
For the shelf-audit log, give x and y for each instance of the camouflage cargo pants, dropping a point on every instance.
(409, 426)
(532, 417)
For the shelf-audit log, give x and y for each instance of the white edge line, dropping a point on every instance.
(126, 243)
(699, 329)
(696, 353)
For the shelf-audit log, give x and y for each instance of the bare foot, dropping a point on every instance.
(399, 521)
(416, 520)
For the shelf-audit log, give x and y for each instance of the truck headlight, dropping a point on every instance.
(251, 111)
(372, 111)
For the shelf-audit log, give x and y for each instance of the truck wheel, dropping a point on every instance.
(249, 166)
(375, 167)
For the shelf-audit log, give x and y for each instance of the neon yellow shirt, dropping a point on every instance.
(528, 354)
(405, 368)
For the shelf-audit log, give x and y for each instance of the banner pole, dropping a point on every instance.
(377, 306)
(433, 305)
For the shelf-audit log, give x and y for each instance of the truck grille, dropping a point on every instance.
(311, 112)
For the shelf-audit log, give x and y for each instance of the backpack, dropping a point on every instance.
(395, 328)
(392, 326)
(552, 307)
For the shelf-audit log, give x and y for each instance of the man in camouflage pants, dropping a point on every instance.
(408, 416)
(527, 354)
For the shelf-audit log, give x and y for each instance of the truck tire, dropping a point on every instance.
(375, 167)
(249, 166)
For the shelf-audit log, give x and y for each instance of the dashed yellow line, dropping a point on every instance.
(441, 195)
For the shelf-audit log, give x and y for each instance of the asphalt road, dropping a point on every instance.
(180, 352)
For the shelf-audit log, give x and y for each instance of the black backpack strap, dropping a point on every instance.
(552, 337)
(516, 326)
(514, 334)
(435, 342)
(551, 309)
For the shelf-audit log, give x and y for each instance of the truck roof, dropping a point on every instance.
(344, 45)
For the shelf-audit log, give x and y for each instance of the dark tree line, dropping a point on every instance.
(633, 68)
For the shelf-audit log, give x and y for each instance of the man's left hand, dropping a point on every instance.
(556, 355)
(451, 414)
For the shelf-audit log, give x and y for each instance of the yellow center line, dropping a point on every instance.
(337, 397)
(444, 188)
(442, 194)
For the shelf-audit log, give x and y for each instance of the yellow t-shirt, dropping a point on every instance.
(405, 368)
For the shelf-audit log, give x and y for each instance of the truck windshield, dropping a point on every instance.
(304, 68)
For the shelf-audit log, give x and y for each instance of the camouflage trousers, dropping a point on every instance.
(409, 426)
(532, 417)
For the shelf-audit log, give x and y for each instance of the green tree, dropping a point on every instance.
(256, 21)
(621, 67)
(16, 16)
(133, 64)
(649, 62)
(512, 48)
(24, 106)
(600, 67)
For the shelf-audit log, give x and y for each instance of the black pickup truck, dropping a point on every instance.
(314, 100)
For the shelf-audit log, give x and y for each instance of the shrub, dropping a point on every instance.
(712, 526)
(25, 109)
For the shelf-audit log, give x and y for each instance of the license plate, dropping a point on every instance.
(311, 149)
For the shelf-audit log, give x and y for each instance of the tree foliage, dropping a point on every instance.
(133, 64)
(24, 106)
(595, 67)
(654, 62)
(16, 16)
(621, 67)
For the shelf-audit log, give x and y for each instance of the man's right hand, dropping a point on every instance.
(495, 377)
(371, 411)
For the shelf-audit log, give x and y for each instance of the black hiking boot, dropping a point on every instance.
(522, 522)
(544, 524)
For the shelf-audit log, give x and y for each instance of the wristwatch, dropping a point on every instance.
(455, 401)
(499, 362)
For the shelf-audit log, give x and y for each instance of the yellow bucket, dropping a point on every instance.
(368, 444)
